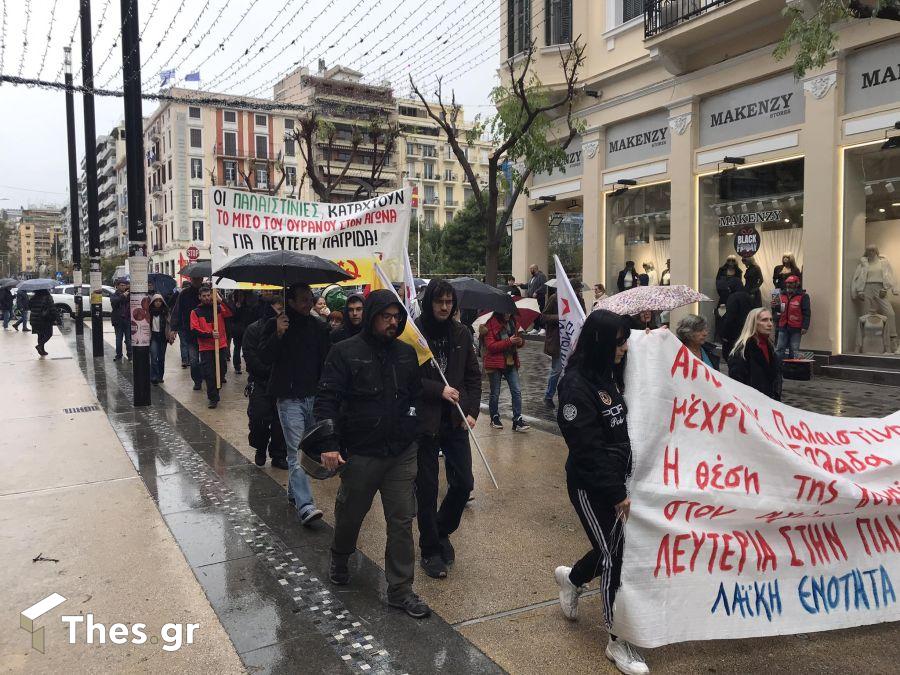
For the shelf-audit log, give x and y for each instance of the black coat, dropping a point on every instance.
(297, 357)
(257, 369)
(592, 418)
(737, 307)
(6, 300)
(749, 366)
(620, 282)
(187, 301)
(43, 311)
(371, 389)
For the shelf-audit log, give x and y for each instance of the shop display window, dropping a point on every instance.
(870, 294)
(565, 237)
(638, 233)
(751, 228)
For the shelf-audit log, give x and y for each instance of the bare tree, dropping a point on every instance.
(526, 113)
(279, 164)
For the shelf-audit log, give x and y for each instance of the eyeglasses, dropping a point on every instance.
(389, 317)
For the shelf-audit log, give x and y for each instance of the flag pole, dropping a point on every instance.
(215, 295)
(470, 429)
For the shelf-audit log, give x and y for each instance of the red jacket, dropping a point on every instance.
(494, 356)
(202, 326)
(795, 311)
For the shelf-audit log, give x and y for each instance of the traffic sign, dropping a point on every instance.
(193, 253)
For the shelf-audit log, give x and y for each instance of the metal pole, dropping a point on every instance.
(90, 171)
(74, 212)
(138, 262)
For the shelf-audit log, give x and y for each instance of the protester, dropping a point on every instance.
(43, 317)
(537, 289)
(294, 345)
(550, 318)
(262, 412)
(592, 417)
(351, 323)
(320, 309)
(441, 426)
(335, 320)
(22, 306)
(753, 359)
(737, 307)
(161, 336)
(6, 306)
(793, 319)
(599, 295)
(502, 339)
(693, 331)
(187, 301)
(207, 333)
(371, 391)
(242, 313)
(512, 288)
(644, 321)
(121, 318)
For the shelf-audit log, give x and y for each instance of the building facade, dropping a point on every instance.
(699, 144)
(40, 235)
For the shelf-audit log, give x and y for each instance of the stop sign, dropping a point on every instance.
(193, 253)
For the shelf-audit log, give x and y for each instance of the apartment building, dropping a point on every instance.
(698, 141)
(428, 163)
(192, 147)
(110, 167)
(40, 230)
(342, 99)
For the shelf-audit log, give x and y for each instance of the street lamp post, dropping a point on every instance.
(74, 220)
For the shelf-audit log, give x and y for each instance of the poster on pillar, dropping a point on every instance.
(352, 234)
(749, 517)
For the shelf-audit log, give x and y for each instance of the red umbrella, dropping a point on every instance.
(527, 310)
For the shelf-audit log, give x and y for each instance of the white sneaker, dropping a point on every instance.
(626, 658)
(568, 592)
(542, 332)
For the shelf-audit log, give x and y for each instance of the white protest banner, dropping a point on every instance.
(571, 314)
(750, 517)
(352, 234)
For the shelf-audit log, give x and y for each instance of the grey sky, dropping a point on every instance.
(435, 37)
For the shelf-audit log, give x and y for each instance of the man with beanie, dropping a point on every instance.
(370, 390)
(442, 428)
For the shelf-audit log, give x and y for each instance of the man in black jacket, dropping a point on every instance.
(352, 321)
(121, 318)
(262, 412)
(188, 300)
(441, 426)
(371, 391)
(294, 345)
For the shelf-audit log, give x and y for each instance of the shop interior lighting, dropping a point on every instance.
(868, 189)
(895, 204)
(625, 183)
(892, 142)
(889, 186)
(760, 206)
(776, 204)
(744, 208)
(787, 220)
(572, 205)
(792, 200)
(880, 210)
(730, 209)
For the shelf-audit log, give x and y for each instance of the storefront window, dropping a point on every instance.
(869, 289)
(565, 238)
(638, 231)
(751, 223)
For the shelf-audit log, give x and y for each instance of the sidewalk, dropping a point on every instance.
(69, 494)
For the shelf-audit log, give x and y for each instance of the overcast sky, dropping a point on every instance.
(423, 37)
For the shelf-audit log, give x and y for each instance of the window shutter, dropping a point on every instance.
(565, 21)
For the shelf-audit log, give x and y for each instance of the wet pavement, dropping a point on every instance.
(264, 575)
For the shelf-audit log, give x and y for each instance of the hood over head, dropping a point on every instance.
(346, 325)
(376, 303)
(433, 327)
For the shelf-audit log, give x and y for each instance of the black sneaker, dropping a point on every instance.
(549, 403)
(260, 458)
(117, 357)
(339, 570)
(519, 424)
(212, 404)
(495, 422)
(448, 554)
(434, 567)
(185, 365)
(413, 605)
(280, 463)
(198, 387)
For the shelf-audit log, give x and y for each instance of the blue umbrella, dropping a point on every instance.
(38, 284)
(162, 283)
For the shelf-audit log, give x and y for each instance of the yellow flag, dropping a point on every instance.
(411, 334)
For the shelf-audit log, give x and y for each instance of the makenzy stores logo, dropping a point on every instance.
(653, 138)
(880, 76)
(773, 106)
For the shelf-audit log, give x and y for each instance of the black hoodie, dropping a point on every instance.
(370, 387)
(451, 344)
(347, 329)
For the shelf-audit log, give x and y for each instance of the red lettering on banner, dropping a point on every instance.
(721, 550)
(692, 368)
(873, 531)
(694, 510)
(811, 489)
(889, 496)
(717, 478)
(814, 538)
(670, 465)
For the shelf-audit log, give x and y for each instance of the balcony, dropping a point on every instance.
(431, 202)
(433, 177)
(686, 35)
(222, 150)
(451, 202)
(156, 218)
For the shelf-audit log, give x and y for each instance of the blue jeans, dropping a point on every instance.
(7, 315)
(296, 416)
(184, 345)
(788, 342)
(123, 332)
(23, 319)
(555, 373)
(511, 373)
(158, 346)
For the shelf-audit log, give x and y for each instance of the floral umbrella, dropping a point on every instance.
(651, 299)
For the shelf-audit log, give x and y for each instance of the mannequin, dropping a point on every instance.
(874, 283)
(650, 271)
(753, 280)
(788, 267)
(872, 335)
(665, 277)
(628, 278)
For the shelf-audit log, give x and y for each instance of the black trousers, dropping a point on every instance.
(44, 333)
(265, 427)
(208, 368)
(236, 343)
(436, 523)
(607, 535)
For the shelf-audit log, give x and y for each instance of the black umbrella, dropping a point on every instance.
(162, 283)
(201, 268)
(8, 282)
(473, 294)
(38, 284)
(282, 268)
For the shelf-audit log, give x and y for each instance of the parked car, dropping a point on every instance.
(64, 299)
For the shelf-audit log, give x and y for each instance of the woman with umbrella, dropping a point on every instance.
(43, 316)
(502, 339)
(592, 417)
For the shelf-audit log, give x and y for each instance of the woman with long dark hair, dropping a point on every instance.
(592, 418)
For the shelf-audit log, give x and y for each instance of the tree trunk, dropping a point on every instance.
(491, 263)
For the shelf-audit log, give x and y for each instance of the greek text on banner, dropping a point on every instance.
(750, 517)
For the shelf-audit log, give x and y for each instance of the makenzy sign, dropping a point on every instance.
(572, 169)
(749, 517)
(764, 106)
(751, 218)
(638, 140)
(872, 77)
(352, 234)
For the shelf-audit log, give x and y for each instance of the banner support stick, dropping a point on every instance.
(215, 295)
